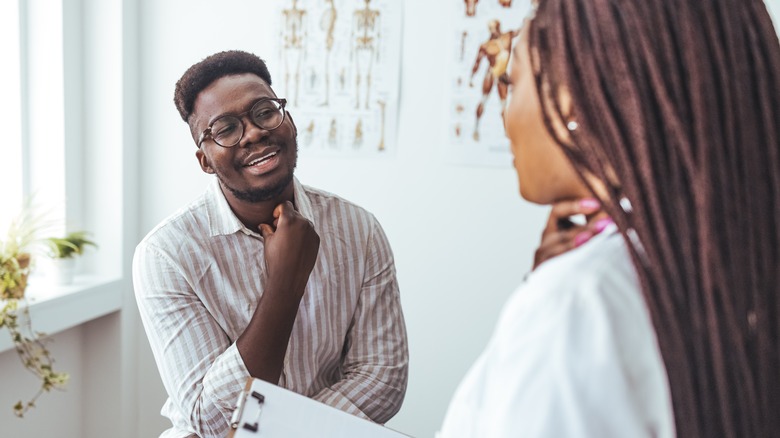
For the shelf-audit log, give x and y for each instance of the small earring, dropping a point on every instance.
(572, 125)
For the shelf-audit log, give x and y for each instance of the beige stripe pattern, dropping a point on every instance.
(199, 275)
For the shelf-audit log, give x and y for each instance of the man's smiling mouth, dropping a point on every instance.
(261, 160)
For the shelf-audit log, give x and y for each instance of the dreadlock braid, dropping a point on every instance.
(677, 105)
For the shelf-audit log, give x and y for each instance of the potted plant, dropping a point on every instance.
(64, 251)
(16, 257)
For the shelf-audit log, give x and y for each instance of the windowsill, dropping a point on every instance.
(54, 309)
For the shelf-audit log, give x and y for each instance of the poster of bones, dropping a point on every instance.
(481, 43)
(338, 66)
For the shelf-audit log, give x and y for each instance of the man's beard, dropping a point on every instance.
(265, 193)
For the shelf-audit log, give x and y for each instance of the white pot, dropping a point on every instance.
(62, 271)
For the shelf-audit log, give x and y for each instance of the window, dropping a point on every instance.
(11, 156)
(32, 152)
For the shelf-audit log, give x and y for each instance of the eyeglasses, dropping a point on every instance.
(228, 130)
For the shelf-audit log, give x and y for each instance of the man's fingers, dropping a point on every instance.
(266, 230)
(283, 212)
(279, 210)
(285, 207)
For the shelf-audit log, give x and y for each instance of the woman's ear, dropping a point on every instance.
(203, 160)
(565, 101)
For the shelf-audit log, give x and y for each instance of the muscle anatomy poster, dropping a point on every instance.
(481, 40)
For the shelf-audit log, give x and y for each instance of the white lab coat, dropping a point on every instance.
(574, 354)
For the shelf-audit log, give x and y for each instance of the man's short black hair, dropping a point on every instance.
(218, 65)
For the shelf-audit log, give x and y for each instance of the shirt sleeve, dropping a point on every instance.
(200, 367)
(376, 362)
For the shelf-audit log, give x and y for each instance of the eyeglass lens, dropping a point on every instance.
(228, 130)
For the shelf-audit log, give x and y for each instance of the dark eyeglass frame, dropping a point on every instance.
(207, 132)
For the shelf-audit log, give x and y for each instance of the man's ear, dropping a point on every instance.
(295, 128)
(204, 161)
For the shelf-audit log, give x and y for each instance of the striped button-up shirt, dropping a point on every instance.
(199, 275)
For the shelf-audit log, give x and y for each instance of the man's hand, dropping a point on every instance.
(291, 247)
(561, 234)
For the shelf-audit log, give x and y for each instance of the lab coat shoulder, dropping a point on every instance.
(574, 351)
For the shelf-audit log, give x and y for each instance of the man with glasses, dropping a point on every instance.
(262, 276)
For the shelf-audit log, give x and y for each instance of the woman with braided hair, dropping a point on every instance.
(668, 322)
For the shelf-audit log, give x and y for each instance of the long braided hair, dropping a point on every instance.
(676, 106)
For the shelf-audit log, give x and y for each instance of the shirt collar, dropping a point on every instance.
(302, 201)
(222, 220)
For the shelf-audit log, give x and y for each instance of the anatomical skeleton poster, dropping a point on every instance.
(338, 67)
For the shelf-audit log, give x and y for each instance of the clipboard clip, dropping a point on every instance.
(238, 414)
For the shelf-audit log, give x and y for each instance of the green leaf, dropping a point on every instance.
(70, 245)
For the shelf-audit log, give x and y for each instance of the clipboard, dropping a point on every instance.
(265, 410)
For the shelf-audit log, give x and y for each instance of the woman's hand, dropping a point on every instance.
(561, 234)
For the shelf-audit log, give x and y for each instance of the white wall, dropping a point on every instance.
(19, 385)
(462, 237)
(91, 404)
(774, 10)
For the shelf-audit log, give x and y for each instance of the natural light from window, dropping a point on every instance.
(11, 185)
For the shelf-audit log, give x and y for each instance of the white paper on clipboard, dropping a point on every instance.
(268, 411)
